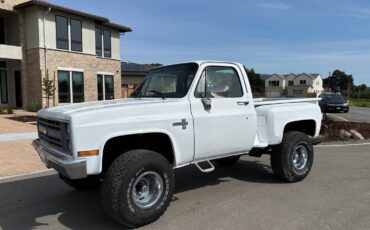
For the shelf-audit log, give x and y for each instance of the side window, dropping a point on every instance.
(219, 81)
(98, 41)
(62, 32)
(76, 35)
(107, 43)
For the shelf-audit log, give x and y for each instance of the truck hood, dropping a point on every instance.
(66, 111)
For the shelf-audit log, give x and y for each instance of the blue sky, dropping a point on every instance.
(270, 36)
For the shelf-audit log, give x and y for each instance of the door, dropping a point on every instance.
(18, 89)
(224, 116)
(3, 87)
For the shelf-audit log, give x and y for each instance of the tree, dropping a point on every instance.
(49, 89)
(257, 84)
(339, 81)
(360, 91)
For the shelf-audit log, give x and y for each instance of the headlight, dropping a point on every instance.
(345, 104)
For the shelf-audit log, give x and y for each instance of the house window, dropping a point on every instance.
(103, 43)
(70, 86)
(302, 82)
(105, 87)
(62, 32)
(290, 83)
(98, 41)
(107, 43)
(2, 31)
(2, 64)
(3, 87)
(76, 35)
(274, 83)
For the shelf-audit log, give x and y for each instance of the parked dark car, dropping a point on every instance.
(333, 102)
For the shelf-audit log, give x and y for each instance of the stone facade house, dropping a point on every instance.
(79, 52)
(293, 85)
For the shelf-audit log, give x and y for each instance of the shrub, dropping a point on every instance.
(34, 107)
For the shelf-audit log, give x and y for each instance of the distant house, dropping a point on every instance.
(132, 74)
(293, 85)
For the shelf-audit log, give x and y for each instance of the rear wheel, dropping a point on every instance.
(137, 188)
(292, 160)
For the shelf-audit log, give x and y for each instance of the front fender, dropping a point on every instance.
(175, 146)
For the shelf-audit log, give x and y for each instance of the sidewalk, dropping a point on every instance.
(10, 126)
(17, 156)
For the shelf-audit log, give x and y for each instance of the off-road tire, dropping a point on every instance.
(85, 184)
(282, 162)
(228, 160)
(117, 187)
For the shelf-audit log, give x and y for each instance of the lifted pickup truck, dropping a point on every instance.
(199, 113)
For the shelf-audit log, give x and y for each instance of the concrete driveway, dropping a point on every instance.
(336, 195)
(361, 114)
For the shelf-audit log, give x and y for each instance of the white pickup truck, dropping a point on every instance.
(199, 113)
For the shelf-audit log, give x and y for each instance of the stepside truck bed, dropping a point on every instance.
(273, 101)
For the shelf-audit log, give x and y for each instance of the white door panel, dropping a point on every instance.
(227, 127)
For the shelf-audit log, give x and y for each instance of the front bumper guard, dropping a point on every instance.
(71, 168)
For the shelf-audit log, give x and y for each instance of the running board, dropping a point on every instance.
(211, 168)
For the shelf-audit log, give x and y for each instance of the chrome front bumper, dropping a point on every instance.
(71, 168)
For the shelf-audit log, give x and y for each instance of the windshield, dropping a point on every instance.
(333, 97)
(167, 82)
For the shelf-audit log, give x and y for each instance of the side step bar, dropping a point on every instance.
(206, 166)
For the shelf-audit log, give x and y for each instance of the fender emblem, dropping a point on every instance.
(183, 123)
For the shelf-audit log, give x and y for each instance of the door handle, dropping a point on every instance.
(243, 102)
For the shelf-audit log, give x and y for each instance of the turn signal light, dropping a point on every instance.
(88, 153)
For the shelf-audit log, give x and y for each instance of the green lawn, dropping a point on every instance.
(359, 102)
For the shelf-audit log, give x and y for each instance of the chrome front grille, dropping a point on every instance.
(54, 134)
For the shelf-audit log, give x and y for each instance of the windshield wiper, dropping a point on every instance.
(158, 93)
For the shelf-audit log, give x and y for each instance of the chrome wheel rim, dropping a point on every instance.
(300, 157)
(147, 189)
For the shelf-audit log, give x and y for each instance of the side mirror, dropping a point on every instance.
(219, 90)
(207, 103)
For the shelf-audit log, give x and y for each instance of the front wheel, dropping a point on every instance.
(292, 160)
(137, 188)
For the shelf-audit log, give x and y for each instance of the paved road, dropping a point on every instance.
(354, 114)
(336, 195)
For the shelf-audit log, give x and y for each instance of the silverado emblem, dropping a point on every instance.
(43, 130)
(183, 123)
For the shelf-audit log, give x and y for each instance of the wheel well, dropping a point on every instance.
(306, 126)
(158, 142)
